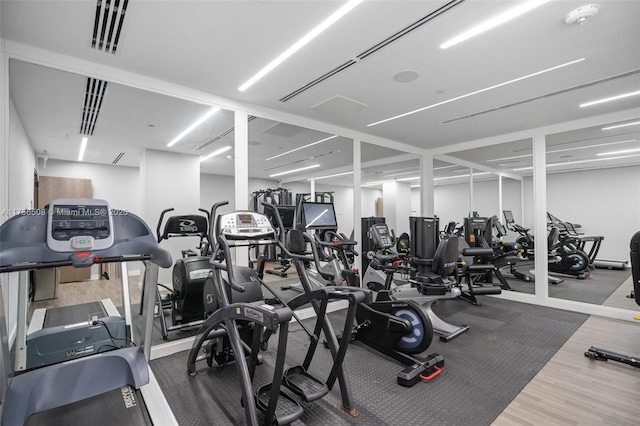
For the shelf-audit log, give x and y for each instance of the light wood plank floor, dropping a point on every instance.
(572, 389)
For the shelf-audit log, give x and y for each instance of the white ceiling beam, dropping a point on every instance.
(471, 165)
(628, 114)
(23, 52)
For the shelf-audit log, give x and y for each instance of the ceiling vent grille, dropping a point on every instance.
(546, 95)
(387, 41)
(107, 24)
(93, 98)
(406, 30)
(118, 158)
(222, 135)
(320, 79)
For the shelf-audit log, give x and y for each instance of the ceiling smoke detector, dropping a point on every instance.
(582, 14)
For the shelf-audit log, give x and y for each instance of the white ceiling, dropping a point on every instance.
(214, 46)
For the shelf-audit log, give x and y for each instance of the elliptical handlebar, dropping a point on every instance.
(212, 225)
(315, 258)
(165, 211)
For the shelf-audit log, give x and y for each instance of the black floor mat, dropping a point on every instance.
(485, 368)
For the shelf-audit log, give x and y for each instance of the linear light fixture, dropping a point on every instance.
(375, 183)
(461, 176)
(621, 125)
(408, 179)
(568, 163)
(486, 89)
(562, 150)
(400, 174)
(301, 43)
(295, 170)
(198, 122)
(216, 152)
(509, 158)
(301, 147)
(612, 98)
(493, 22)
(624, 151)
(83, 147)
(331, 176)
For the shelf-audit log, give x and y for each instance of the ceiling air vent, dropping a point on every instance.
(118, 158)
(222, 135)
(387, 41)
(92, 102)
(543, 96)
(107, 24)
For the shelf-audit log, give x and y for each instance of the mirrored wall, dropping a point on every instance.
(593, 178)
(492, 183)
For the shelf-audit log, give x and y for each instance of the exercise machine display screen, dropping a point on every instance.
(79, 224)
(319, 216)
(245, 225)
(508, 216)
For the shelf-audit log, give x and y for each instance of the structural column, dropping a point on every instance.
(168, 180)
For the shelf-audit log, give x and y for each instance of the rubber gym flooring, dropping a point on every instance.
(485, 368)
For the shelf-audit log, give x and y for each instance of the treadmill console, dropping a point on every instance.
(381, 236)
(79, 224)
(245, 225)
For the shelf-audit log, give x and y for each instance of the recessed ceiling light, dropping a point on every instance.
(612, 98)
(406, 76)
(476, 92)
(198, 122)
(301, 43)
(493, 22)
(216, 152)
(83, 147)
(331, 176)
(624, 151)
(301, 147)
(621, 125)
(295, 170)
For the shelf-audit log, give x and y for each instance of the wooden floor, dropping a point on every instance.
(570, 390)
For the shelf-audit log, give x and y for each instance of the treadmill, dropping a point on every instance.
(93, 370)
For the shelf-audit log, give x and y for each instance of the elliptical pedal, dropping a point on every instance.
(287, 410)
(303, 384)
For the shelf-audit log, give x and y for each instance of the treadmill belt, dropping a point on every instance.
(122, 406)
(72, 314)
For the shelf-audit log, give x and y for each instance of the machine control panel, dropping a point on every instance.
(381, 236)
(245, 225)
(80, 224)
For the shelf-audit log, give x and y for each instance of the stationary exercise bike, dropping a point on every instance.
(563, 258)
(396, 326)
(432, 275)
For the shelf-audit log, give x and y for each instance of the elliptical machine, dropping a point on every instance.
(184, 297)
(241, 323)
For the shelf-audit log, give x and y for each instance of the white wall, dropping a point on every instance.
(605, 202)
(119, 185)
(22, 164)
(19, 189)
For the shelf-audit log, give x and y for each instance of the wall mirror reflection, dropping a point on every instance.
(484, 195)
(587, 171)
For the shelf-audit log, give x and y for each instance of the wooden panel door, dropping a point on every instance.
(50, 188)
